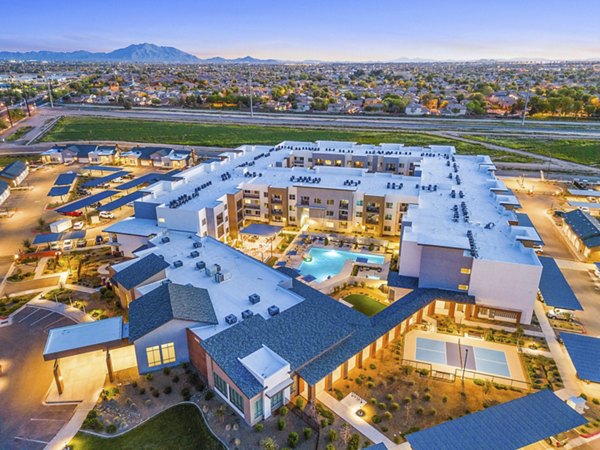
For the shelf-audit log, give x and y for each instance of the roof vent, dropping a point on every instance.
(197, 244)
(273, 310)
(220, 277)
(177, 263)
(212, 270)
(200, 265)
(165, 240)
(247, 314)
(254, 298)
(194, 253)
(231, 319)
(167, 281)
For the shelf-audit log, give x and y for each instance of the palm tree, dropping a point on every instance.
(41, 224)
(26, 244)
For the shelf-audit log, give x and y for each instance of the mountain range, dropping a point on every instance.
(136, 53)
(151, 53)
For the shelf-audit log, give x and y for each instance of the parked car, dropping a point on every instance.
(54, 246)
(118, 180)
(81, 243)
(78, 225)
(539, 249)
(557, 314)
(67, 244)
(99, 240)
(106, 215)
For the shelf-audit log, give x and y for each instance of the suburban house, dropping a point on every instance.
(14, 173)
(583, 231)
(61, 154)
(4, 191)
(159, 157)
(104, 154)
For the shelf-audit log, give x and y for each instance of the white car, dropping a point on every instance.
(78, 225)
(106, 215)
(118, 180)
(54, 246)
(67, 244)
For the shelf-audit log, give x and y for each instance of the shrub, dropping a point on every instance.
(584, 396)
(324, 423)
(432, 412)
(382, 405)
(283, 411)
(389, 397)
(387, 415)
(209, 395)
(595, 401)
(384, 429)
(330, 446)
(358, 381)
(323, 411)
(407, 400)
(259, 427)
(155, 394)
(444, 399)
(149, 376)
(479, 382)
(111, 428)
(134, 384)
(420, 411)
(411, 430)
(175, 378)
(354, 442)
(281, 424)
(394, 406)
(300, 402)
(370, 384)
(293, 439)
(166, 370)
(376, 419)
(141, 391)
(407, 370)
(167, 390)
(332, 435)
(372, 366)
(427, 397)
(339, 394)
(373, 400)
(307, 432)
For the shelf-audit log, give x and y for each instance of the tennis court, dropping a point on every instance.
(459, 355)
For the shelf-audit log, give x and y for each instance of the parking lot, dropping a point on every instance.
(25, 422)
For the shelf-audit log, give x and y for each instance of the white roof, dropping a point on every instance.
(248, 276)
(83, 335)
(264, 363)
(135, 227)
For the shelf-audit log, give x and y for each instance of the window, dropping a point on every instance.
(317, 201)
(329, 213)
(465, 270)
(277, 400)
(389, 205)
(168, 353)
(358, 214)
(388, 217)
(330, 202)
(359, 202)
(265, 194)
(236, 399)
(258, 408)
(220, 384)
(292, 197)
(161, 220)
(387, 228)
(153, 354)
(463, 287)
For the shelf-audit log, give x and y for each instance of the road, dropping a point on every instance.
(25, 423)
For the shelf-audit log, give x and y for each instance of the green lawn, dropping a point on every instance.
(583, 151)
(19, 133)
(7, 159)
(231, 136)
(179, 427)
(364, 304)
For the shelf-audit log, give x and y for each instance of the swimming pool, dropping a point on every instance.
(479, 359)
(327, 262)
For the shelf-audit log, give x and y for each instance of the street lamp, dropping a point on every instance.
(465, 363)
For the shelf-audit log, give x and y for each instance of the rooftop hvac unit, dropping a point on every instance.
(212, 270)
(231, 319)
(197, 244)
(200, 265)
(254, 298)
(177, 263)
(194, 253)
(167, 281)
(161, 256)
(165, 240)
(220, 277)
(247, 314)
(273, 310)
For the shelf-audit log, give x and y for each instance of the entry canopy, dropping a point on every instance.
(261, 229)
(85, 337)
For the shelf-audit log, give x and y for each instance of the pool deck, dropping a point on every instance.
(513, 359)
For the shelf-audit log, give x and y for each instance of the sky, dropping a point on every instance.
(331, 30)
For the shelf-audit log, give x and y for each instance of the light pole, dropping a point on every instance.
(465, 363)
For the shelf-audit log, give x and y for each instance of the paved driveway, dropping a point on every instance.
(25, 423)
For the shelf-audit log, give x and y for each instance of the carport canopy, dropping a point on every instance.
(261, 229)
(46, 238)
(85, 202)
(86, 337)
(102, 168)
(554, 287)
(115, 204)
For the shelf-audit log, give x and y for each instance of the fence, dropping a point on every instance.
(310, 421)
(471, 374)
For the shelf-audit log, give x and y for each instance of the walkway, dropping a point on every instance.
(61, 308)
(359, 424)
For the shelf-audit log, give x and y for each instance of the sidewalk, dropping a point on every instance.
(359, 424)
(66, 433)
(61, 308)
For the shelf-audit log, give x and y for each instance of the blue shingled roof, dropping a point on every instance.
(402, 281)
(167, 302)
(13, 170)
(138, 272)
(3, 186)
(554, 287)
(585, 354)
(586, 227)
(508, 426)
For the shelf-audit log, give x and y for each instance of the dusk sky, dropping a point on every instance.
(327, 29)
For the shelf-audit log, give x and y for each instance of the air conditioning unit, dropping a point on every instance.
(231, 319)
(200, 265)
(167, 281)
(254, 298)
(222, 276)
(197, 244)
(247, 314)
(177, 263)
(194, 253)
(212, 270)
(273, 310)
(165, 239)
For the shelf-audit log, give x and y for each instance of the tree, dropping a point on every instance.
(268, 444)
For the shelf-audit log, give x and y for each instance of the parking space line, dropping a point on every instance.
(31, 440)
(47, 327)
(48, 420)
(39, 320)
(33, 312)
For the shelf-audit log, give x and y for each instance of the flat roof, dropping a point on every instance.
(479, 210)
(83, 337)
(261, 229)
(264, 362)
(59, 191)
(248, 276)
(65, 179)
(103, 168)
(507, 426)
(554, 287)
(115, 204)
(135, 227)
(98, 181)
(584, 352)
(46, 238)
(85, 202)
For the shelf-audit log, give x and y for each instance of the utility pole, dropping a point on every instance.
(27, 104)
(525, 108)
(8, 113)
(50, 93)
(251, 106)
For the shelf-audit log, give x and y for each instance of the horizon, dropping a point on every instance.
(333, 32)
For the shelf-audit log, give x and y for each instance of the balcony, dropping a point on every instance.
(373, 209)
